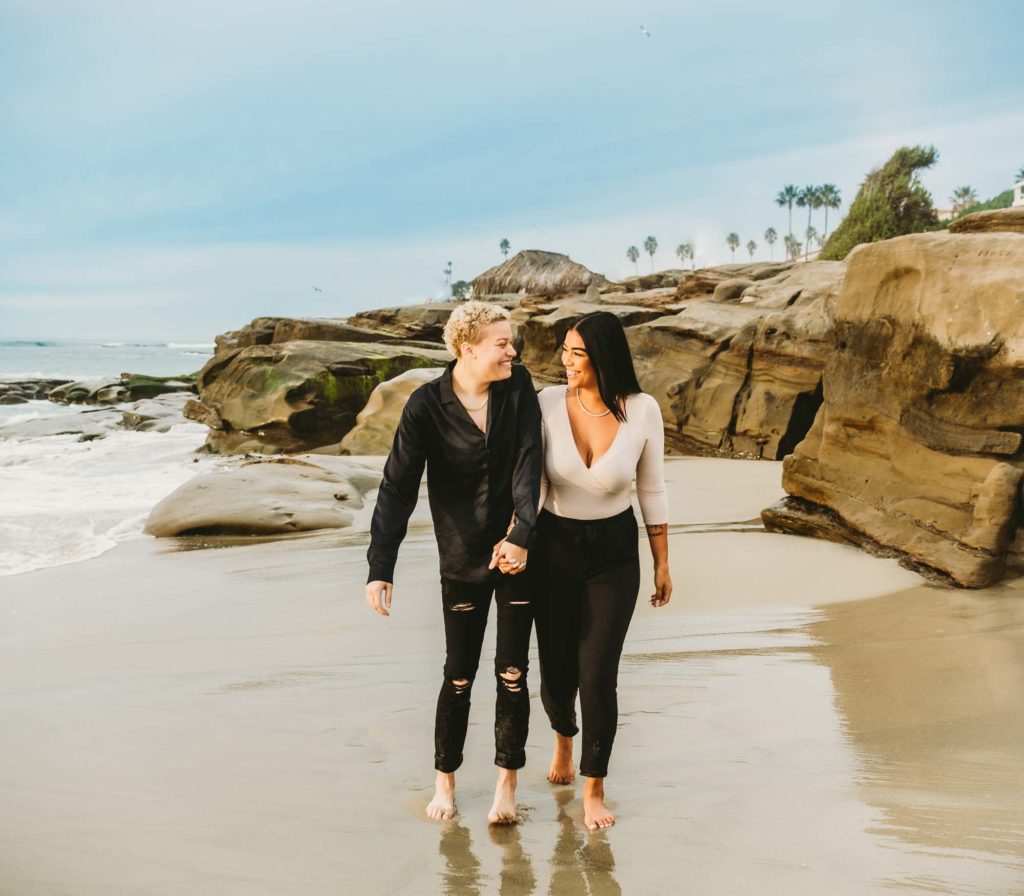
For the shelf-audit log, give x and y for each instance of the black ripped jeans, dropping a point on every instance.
(466, 605)
(588, 578)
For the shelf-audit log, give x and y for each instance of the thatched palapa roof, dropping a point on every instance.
(536, 273)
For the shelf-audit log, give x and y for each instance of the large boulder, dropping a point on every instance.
(740, 376)
(294, 396)
(376, 423)
(917, 448)
(270, 496)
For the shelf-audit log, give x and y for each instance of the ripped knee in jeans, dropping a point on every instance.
(510, 679)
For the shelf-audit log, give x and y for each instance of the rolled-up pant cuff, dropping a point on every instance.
(443, 764)
(511, 761)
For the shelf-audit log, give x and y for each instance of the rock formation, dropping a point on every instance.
(1002, 220)
(21, 391)
(297, 395)
(917, 449)
(265, 497)
(127, 387)
(377, 421)
(740, 376)
(423, 323)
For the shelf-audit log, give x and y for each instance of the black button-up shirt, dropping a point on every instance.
(475, 480)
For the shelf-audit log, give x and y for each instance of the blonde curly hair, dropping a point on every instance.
(467, 321)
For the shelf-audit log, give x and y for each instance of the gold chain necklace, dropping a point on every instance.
(474, 410)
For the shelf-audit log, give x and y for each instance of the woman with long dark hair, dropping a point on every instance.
(601, 433)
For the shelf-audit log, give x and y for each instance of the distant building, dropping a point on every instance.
(944, 214)
(1018, 193)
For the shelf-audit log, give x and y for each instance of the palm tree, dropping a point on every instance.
(1019, 177)
(787, 196)
(963, 198)
(733, 242)
(793, 247)
(504, 245)
(681, 251)
(811, 236)
(770, 236)
(751, 248)
(633, 253)
(689, 253)
(650, 247)
(809, 198)
(830, 198)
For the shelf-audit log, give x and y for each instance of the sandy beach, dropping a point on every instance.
(228, 717)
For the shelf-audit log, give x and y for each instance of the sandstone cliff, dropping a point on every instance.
(917, 448)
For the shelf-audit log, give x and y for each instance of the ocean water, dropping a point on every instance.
(63, 500)
(86, 359)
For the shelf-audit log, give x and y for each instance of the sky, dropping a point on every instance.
(170, 170)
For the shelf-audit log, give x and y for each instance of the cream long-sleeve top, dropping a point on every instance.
(570, 488)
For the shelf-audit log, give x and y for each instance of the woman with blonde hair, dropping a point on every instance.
(476, 429)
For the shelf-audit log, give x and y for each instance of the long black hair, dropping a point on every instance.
(608, 350)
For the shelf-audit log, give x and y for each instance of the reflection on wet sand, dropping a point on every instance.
(582, 862)
(461, 876)
(516, 877)
(929, 685)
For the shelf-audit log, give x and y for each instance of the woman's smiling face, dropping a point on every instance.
(491, 356)
(578, 370)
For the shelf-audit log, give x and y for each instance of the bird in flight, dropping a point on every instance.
(645, 31)
(317, 289)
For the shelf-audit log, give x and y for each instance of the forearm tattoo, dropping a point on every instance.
(659, 529)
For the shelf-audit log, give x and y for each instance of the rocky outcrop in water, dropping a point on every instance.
(127, 387)
(917, 449)
(22, 391)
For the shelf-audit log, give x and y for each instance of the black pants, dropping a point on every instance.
(466, 605)
(587, 574)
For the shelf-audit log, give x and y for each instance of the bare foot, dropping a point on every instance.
(562, 770)
(595, 813)
(442, 806)
(504, 809)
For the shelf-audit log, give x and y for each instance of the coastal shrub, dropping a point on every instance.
(892, 201)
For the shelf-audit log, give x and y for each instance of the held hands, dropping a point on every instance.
(662, 587)
(378, 596)
(508, 557)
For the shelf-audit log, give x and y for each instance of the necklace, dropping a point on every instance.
(474, 410)
(590, 413)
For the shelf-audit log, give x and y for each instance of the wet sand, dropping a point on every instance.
(802, 719)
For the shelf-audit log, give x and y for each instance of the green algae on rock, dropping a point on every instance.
(296, 395)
